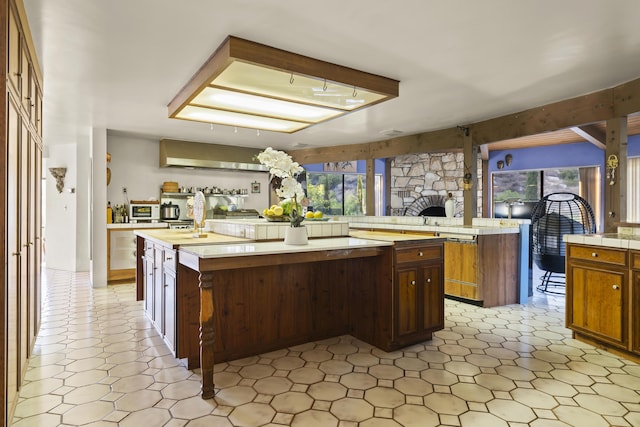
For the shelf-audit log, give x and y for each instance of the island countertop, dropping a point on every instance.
(180, 237)
(278, 247)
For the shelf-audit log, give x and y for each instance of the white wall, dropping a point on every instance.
(135, 165)
(61, 210)
(97, 207)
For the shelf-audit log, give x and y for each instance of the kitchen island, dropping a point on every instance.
(242, 299)
(157, 276)
(603, 290)
(485, 264)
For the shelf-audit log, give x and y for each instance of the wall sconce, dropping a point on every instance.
(58, 174)
(500, 164)
(612, 165)
(508, 159)
(467, 181)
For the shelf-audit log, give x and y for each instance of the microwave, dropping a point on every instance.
(144, 212)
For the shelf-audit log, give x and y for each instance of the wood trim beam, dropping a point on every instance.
(605, 104)
(471, 166)
(371, 188)
(590, 108)
(592, 134)
(615, 201)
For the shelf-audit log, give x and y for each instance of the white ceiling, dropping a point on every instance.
(116, 64)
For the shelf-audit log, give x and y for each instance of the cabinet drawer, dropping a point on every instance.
(598, 254)
(169, 261)
(635, 260)
(418, 253)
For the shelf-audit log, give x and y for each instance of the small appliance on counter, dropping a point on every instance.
(169, 211)
(144, 211)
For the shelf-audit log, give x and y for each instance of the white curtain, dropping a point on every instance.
(590, 190)
(633, 189)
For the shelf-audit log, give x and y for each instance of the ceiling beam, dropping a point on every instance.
(592, 134)
(605, 104)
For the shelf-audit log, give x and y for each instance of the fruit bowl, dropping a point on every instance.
(277, 218)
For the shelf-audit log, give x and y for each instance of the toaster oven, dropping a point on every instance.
(144, 212)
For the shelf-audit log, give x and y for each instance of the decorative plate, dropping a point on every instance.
(199, 208)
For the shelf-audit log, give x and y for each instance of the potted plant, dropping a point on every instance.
(284, 172)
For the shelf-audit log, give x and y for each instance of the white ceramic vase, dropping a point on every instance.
(449, 207)
(296, 236)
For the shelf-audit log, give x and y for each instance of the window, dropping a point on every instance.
(535, 184)
(341, 194)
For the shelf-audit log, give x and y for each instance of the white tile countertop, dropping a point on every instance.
(612, 240)
(261, 229)
(271, 248)
(137, 225)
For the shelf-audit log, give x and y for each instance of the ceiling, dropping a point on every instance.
(117, 64)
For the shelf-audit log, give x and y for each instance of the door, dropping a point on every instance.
(170, 307)
(13, 255)
(407, 300)
(599, 303)
(433, 298)
(158, 289)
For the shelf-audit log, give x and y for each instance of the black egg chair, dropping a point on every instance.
(554, 216)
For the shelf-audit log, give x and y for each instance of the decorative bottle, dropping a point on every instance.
(109, 213)
(449, 206)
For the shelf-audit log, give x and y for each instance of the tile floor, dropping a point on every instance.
(98, 362)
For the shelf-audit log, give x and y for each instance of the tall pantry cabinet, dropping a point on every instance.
(21, 154)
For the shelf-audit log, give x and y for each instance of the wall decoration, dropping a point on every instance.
(58, 174)
(255, 187)
(351, 166)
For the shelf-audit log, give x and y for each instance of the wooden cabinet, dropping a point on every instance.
(598, 295)
(634, 260)
(418, 292)
(159, 275)
(21, 189)
(460, 269)
(470, 272)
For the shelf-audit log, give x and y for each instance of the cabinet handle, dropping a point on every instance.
(429, 280)
(169, 258)
(413, 282)
(16, 254)
(616, 287)
(420, 253)
(594, 254)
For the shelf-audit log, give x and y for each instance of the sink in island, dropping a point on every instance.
(234, 298)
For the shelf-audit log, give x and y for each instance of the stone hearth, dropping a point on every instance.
(415, 176)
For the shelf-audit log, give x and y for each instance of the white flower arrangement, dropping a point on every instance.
(282, 166)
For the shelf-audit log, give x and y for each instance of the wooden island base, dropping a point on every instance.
(249, 305)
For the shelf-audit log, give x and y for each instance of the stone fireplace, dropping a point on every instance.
(427, 206)
(422, 181)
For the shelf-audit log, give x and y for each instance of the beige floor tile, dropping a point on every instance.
(416, 416)
(351, 409)
(87, 412)
(514, 364)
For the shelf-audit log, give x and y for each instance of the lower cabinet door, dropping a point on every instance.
(170, 309)
(407, 301)
(598, 303)
(433, 298)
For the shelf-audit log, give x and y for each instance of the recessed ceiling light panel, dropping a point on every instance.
(281, 91)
